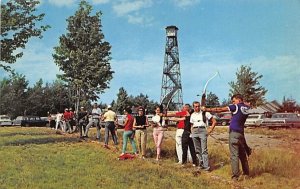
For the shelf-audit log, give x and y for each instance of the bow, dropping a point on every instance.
(203, 97)
(163, 109)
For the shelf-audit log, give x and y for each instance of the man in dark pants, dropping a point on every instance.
(237, 142)
(187, 141)
(82, 121)
(110, 119)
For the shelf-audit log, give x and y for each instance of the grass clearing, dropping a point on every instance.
(40, 158)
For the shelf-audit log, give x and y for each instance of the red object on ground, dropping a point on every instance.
(126, 156)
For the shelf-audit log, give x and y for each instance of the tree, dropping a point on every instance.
(288, 105)
(212, 100)
(83, 55)
(35, 100)
(226, 102)
(18, 24)
(248, 85)
(122, 101)
(13, 95)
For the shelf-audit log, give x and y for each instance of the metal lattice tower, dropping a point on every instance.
(171, 90)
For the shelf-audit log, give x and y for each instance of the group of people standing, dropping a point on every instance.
(191, 135)
(193, 130)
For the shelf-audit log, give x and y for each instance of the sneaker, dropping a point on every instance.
(234, 179)
(206, 169)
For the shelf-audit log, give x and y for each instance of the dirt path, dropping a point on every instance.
(256, 141)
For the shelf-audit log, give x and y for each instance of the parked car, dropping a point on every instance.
(254, 120)
(221, 120)
(26, 121)
(282, 120)
(5, 120)
(225, 115)
(18, 120)
(121, 120)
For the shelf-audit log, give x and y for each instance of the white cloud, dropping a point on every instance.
(185, 3)
(139, 19)
(100, 1)
(131, 9)
(125, 7)
(62, 3)
(37, 63)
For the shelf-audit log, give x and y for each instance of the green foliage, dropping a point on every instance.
(247, 84)
(212, 100)
(289, 105)
(13, 95)
(18, 24)
(83, 55)
(122, 101)
(16, 98)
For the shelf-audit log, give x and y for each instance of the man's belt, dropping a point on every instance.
(236, 131)
(195, 127)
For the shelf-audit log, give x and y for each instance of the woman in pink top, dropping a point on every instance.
(128, 131)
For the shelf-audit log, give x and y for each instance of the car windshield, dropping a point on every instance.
(4, 117)
(284, 116)
(253, 116)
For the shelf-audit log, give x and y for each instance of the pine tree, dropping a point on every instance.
(83, 55)
(247, 84)
(122, 100)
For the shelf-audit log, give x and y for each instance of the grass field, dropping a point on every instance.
(42, 158)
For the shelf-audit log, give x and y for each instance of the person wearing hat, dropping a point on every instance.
(110, 118)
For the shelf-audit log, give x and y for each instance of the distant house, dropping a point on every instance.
(267, 108)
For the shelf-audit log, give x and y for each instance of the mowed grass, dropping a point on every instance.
(41, 158)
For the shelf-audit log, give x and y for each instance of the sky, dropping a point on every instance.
(213, 35)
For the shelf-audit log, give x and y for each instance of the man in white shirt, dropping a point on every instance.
(58, 121)
(199, 134)
(95, 121)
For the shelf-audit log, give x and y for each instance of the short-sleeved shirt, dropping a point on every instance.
(110, 116)
(240, 113)
(157, 120)
(58, 117)
(67, 116)
(180, 124)
(129, 125)
(197, 119)
(96, 112)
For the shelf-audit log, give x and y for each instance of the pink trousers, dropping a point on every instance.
(158, 135)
